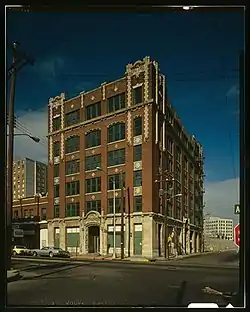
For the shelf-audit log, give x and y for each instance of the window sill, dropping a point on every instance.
(70, 153)
(71, 174)
(92, 147)
(113, 166)
(92, 193)
(118, 141)
(75, 195)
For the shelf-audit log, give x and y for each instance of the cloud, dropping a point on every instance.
(220, 198)
(48, 69)
(36, 124)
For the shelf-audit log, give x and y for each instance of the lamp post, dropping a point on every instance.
(34, 138)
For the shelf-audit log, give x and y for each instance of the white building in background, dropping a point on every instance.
(216, 227)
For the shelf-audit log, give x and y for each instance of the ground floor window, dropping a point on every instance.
(118, 234)
(56, 238)
(73, 239)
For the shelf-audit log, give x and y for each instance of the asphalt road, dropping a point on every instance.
(102, 283)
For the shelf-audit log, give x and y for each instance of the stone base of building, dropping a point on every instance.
(144, 235)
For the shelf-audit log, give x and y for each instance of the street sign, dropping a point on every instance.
(237, 235)
(18, 233)
(237, 209)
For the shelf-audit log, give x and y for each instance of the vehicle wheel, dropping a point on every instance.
(34, 254)
(51, 254)
(14, 253)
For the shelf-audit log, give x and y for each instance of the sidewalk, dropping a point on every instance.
(13, 275)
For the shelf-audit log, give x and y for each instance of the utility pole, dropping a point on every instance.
(16, 61)
(122, 215)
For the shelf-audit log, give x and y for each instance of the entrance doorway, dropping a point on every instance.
(94, 239)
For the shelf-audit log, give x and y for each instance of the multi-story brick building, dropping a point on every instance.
(124, 126)
(29, 178)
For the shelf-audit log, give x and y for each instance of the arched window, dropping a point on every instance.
(72, 144)
(116, 132)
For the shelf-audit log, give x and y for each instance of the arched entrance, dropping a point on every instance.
(94, 239)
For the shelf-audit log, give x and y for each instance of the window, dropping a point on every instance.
(178, 154)
(116, 157)
(137, 95)
(72, 210)
(92, 162)
(185, 163)
(43, 213)
(93, 205)
(93, 110)
(56, 148)
(111, 205)
(170, 145)
(137, 126)
(56, 170)
(117, 238)
(72, 144)
(115, 178)
(16, 214)
(56, 190)
(25, 213)
(56, 123)
(178, 190)
(93, 138)
(170, 208)
(72, 188)
(116, 102)
(72, 118)
(178, 171)
(116, 132)
(137, 152)
(138, 178)
(170, 165)
(137, 203)
(93, 185)
(72, 166)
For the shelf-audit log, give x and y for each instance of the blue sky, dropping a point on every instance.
(198, 52)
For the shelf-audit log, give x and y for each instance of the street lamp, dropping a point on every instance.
(114, 208)
(35, 139)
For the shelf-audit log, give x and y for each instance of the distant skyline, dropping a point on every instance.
(198, 52)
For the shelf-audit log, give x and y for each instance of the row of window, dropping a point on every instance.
(115, 103)
(115, 157)
(116, 132)
(94, 184)
(73, 209)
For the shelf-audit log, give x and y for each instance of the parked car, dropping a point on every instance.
(50, 252)
(18, 250)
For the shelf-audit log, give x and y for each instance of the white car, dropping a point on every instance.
(19, 250)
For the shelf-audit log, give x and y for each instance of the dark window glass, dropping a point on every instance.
(92, 162)
(116, 157)
(117, 179)
(93, 110)
(72, 188)
(72, 118)
(56, 211)
(56, 190)
(56, 148)
(93, 205)
(43, 213)
(72, 166)
(137, 126)
(116, 102)
(72, 210)
(56, 170)
(137, 92)
(116, 132)
(93, 185)
(56, 123)
(138, 178)
(72, 144)
(93, 138)
(111, 205)
(137, 152)
(137, 203)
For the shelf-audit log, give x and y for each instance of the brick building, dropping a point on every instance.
(126, 126)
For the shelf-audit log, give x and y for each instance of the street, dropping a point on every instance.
(72, 283)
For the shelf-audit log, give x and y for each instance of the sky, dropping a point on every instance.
(197, 51)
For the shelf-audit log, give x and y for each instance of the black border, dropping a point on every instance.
(244, 137)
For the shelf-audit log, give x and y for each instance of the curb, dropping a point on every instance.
(14, 278)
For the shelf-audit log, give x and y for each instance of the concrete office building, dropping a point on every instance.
(126, 126)
(29, 178)
(216, 227)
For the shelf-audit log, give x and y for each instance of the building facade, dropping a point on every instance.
(29, 216)
(125, 128)
(215, 227)
(29, 178)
